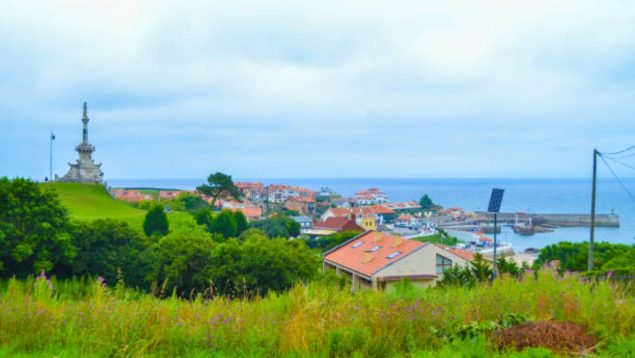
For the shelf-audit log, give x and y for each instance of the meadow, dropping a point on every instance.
(87, 202)
(41, 317)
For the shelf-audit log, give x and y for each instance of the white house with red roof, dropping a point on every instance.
(377, 260)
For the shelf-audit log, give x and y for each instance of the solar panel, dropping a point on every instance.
(393, 255)
(495, 200)
(357, 244)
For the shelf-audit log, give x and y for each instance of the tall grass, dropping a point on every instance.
(86, 318)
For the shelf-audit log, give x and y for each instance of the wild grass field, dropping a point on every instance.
(40, 317)
(86, 202)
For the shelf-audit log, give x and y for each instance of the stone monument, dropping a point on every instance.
(85, 170)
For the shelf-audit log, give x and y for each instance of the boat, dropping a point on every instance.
(484, 245)
(524, 229)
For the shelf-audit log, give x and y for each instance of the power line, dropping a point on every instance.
(622, 157)
(621, 151)
(617, 178)
(621, 163)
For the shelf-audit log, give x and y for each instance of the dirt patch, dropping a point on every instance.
(559, 337)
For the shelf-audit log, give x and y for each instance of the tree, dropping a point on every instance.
(183, 262)
(280, 226)
(225, 223)
(192, 202)
(34, 229)
(204, 217)
(481, 269)
(107, 248)
(156, 222)
(220, 186)
(259, 265)
(425, 202)
(241, 222)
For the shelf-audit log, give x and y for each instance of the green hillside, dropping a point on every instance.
(90, 202)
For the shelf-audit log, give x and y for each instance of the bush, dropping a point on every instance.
(156, 222)
(113, 250)
(34, 229)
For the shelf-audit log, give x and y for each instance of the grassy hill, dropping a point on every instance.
(87, 202)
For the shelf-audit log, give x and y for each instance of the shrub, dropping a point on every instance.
(156, 222)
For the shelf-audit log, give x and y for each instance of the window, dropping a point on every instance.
(393, 255)
(357, 244)
(374, 249)
(443, 263)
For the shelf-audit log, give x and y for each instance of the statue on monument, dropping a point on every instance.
(85, 170)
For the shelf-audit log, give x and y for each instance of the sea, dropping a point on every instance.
(568, 196)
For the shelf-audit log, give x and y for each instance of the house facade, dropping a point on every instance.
(377, 260)
(280, 193)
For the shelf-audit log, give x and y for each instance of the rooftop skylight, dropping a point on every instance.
(374, 248)
(357, 244)
(393, 255)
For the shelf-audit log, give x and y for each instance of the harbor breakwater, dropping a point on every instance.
(549, 220)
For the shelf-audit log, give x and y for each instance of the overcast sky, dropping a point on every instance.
(262, 89)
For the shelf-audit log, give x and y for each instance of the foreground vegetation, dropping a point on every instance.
(80, 318)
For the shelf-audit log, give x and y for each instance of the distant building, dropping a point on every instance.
(305, 222)
(338, 224)
(369, 217)
(303, 205)
(377, 260)
(404, 207)
(254, 192)
(280, 193)
(371, 196)
(131, 195)
(85, 170)
(252, 213)
(169, 194)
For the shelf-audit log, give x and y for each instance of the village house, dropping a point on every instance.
(341, 202)
(407, 220)
(169, 194)
(409, 207)
(305, 222)
(371, 196)
(368, 217)
(303, 205)
(132, 196)
(377, 260)
(337, 225)
(280, 193)
(254, 192)
(252, 213)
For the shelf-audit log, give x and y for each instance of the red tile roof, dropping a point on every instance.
(252, 212)
(464, 254)
(360, 260)
(340, 212)
(338, 224)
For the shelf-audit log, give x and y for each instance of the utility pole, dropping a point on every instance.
(592, 233)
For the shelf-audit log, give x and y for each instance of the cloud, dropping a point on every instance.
(329, 89)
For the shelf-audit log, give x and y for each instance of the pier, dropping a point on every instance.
(548, 220)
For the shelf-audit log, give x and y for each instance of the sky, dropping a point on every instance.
(312, 89)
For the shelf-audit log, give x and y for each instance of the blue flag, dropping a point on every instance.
(52, 136)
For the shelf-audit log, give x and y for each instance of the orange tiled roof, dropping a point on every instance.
(464, 254)
(339, 212)
(252, 211)
(338, 224)
(359, 260)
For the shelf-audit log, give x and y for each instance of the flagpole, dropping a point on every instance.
(51, 157)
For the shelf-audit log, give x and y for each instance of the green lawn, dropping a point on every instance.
(86, 202)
